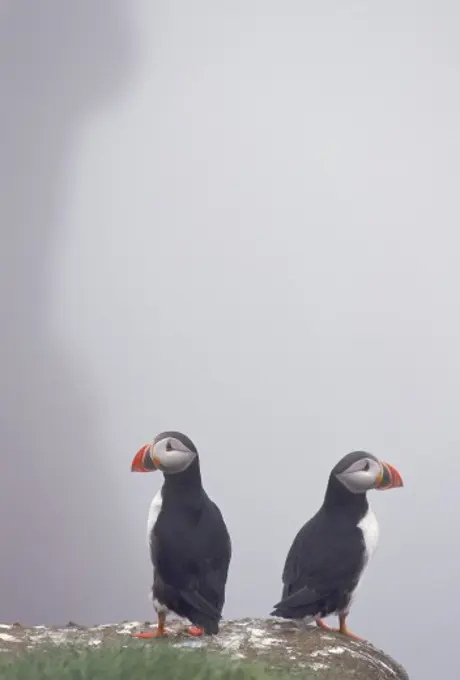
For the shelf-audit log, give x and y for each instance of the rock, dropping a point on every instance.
(277, 643)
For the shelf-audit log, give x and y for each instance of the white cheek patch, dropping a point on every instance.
(350, 481)
(357, 481)
(173, 455)
(176, 461)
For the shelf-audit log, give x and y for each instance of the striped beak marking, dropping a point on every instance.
(389, 478)
(143, 461)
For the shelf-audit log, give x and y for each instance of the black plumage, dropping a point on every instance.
(328, 555)
(190, 548)
(323, 566)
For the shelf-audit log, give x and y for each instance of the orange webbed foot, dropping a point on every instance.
(320, 623)
(150, 634)
(345, 631)
(342, 629)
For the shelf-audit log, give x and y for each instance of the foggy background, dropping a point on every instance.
(240, 220)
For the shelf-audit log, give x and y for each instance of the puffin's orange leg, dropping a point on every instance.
(158, 632)
(320, 623)
(342, 627)
(195, 631)
(344, 630)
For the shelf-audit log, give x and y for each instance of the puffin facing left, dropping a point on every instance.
(189, 543)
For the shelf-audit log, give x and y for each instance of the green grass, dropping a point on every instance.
(132, 663)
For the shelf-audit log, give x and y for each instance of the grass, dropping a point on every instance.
(131, 663)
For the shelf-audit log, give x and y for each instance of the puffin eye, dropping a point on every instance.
(366, 466)
(168, 446)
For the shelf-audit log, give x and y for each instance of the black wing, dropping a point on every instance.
(192, 553)
(322, 566)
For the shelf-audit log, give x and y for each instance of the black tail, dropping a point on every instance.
(210, 627)
(298, 605)
(201, 612)
(290, 613)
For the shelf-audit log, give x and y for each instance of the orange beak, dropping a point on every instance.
(142, 461)
(389, 478)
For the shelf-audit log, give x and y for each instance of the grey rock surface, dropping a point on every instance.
(274, 642)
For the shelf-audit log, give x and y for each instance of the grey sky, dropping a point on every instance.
(240, 220)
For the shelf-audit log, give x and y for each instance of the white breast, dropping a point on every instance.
(154, 511)
(370, 528)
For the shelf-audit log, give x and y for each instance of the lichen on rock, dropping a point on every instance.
(277, 643)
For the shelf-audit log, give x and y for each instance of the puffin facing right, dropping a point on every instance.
(330, 552)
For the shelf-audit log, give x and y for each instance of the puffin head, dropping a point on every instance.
(170, 452)
(359, 472)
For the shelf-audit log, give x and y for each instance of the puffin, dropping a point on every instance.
(329, 554)
(190, 546)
